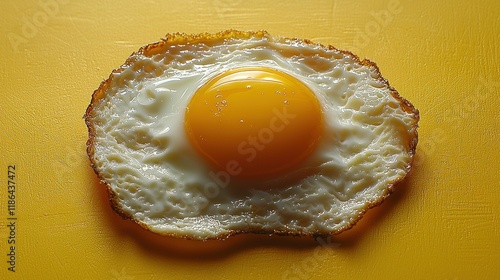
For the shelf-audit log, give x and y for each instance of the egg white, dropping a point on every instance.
(142, 152)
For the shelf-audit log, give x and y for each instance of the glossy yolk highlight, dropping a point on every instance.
(254, 122)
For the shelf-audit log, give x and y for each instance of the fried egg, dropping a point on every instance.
(210, 135)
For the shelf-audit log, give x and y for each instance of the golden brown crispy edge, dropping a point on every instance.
(213, 38)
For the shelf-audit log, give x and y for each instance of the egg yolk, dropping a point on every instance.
(254, 121)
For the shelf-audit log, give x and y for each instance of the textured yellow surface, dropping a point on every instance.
(442, 223)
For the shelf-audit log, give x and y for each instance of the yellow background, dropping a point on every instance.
(441, 223)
